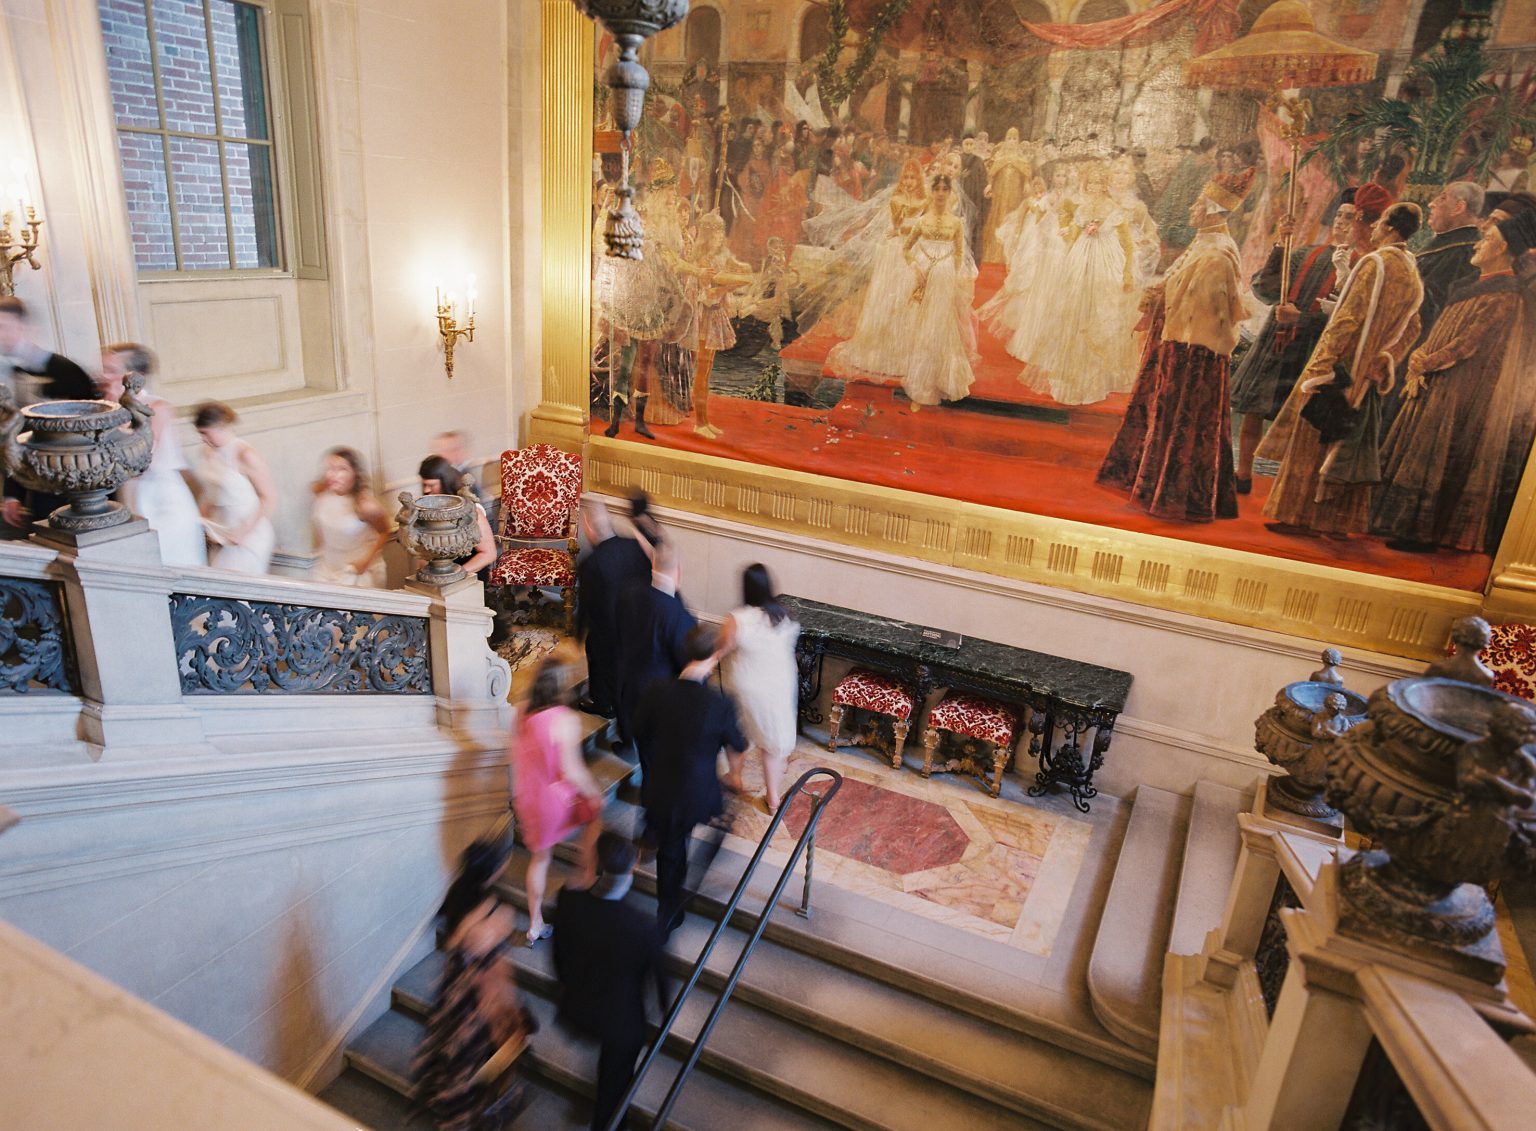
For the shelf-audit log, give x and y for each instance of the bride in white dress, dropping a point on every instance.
(237, 493)
(161, 495)
(1092, 304)
(350, 526)
(758, 644)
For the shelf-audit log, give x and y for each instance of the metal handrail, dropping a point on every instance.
(818, 806)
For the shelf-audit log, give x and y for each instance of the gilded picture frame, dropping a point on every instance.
(1343, 607)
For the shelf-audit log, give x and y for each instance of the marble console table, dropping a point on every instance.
(1056, 695)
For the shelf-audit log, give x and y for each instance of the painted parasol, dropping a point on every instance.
(1281, 55)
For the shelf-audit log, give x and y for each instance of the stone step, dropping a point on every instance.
(848, 942)
(1125, 971)
(379, 1107)
(384, 1050)
(1210, 860)
(1029, 1076)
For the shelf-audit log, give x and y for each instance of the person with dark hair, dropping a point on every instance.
(439, 477)
(1326, 483)
(644, 522)
(350, 527)
(553, 794)
(236, 491)
(607, 955)
(653, 625)
(1431, 493)
(610, 565)
(1264, 378)
(757, 642)
(33, 374)
(477, 1012)
(684, 723)
(163, 494)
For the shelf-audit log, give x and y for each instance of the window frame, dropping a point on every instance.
(277, 142)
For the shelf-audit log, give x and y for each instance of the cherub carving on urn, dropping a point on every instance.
(1295, 735)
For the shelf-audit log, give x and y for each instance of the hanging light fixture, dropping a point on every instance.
(631, 23)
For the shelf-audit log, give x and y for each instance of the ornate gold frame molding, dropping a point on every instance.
(1341, 606)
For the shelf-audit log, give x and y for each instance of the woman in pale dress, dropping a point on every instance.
(350, 527)
(163, 494)
(1020, 313)
(236, 492)
(758, 644)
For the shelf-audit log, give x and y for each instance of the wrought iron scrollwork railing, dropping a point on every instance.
(226, 646)
(1273, 959)
(34, 638)
(807, 837)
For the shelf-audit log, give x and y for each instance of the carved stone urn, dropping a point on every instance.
(82, 449)
(440, 529)
(1440, 776)
(1295, 735)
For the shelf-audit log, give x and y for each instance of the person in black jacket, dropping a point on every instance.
(606, 952)
(653, 625)
(33, 374)
(611, 564)
(685, 723)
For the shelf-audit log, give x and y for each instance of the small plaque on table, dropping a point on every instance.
(940, 636)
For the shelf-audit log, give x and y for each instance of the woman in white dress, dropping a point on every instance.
(162, 495)
(1019, 313)
(1092, 301)
(350, 527)
(237, 494)
(758, 645)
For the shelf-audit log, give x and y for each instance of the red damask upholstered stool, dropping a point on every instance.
(973, 717)
(1511, 653)
(877, 693)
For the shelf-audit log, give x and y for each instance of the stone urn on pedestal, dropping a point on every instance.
(82, 449)
(1441, 777)
(440, 529)
(1295, 735)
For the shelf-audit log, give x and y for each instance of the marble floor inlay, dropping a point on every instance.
(940, 849)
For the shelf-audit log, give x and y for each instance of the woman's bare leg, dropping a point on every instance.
(538, 876)
(586, 874)
(773, 778)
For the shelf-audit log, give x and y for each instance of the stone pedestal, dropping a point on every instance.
(1267, 832)
(470, 681)
(118, 603)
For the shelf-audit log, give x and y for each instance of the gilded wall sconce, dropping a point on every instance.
(449, 328)
(20, 237)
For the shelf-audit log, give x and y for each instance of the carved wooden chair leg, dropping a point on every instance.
(999, 760)
(834, 724)
(931, 738)
(568, 599)
(900, 730)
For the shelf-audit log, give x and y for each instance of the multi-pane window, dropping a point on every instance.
(190, 92)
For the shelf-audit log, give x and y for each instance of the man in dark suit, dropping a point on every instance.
(653, 624)
(606, 952)
(610, 565)
(33, 374)
(685, 723)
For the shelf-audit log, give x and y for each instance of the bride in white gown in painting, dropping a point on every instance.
(932, 323)
(1092, 304)
(1034, 252)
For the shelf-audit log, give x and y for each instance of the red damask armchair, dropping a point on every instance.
(540, 491)
(1511, 654)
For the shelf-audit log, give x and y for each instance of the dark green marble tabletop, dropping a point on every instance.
(1072, 682)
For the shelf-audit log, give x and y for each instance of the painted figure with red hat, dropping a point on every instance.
(1330, 463)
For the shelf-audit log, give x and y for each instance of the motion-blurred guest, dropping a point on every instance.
(553, 794)
(477, 1011)
(236, 492)
(439, 477)
(453, 446)
(653, 629)
(684, 723)
(757, 642)
(163, 494)
(610, 564)
(33, 374)
(607, 952)
(350, 526)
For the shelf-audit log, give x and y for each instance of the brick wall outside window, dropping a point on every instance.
(210, 204)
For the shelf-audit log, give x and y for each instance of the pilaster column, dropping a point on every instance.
(566, 227)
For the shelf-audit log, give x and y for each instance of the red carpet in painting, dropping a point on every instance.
(1037, 466)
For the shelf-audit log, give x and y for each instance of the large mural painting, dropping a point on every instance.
(1050, 255)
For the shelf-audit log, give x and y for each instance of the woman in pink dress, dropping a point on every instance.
(553, 795)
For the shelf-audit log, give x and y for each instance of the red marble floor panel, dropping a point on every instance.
(884, 829)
